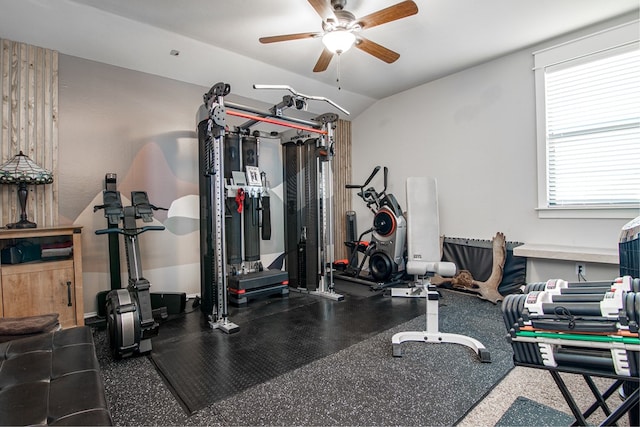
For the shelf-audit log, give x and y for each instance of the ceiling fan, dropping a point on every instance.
(341, 30)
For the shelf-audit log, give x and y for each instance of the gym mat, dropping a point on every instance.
(526, 412)
(362, 384)
(203, 366)
(342, 286)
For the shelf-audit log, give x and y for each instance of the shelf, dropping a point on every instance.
(26, 233)
(567, 253)
(45, 285)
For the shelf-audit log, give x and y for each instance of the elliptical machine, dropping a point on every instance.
(387, 248)
(130, 321)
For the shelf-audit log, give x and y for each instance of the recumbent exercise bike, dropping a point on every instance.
(130, 317)
(386, 251)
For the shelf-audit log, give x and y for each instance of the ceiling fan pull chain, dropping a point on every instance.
(338, 78)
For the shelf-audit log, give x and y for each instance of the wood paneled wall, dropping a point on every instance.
(341, 177)
(29, 118)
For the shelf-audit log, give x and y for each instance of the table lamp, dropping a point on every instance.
(23, 171)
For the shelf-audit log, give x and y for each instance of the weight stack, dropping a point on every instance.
(292, 210)
(311, 214)
(233, 219)
(301, 161)
(233, 232)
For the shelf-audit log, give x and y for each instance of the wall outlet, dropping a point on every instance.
(581, 269)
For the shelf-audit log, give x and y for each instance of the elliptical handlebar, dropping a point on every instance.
(375, 171)
(370, 195)
(386, 172)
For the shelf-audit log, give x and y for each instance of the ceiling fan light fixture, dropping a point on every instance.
(339, 41)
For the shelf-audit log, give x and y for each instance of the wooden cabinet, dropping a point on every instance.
(48, 285)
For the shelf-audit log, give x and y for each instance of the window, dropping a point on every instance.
(588, 108)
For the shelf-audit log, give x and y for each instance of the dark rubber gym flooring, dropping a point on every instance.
(306, 360)
(276, 335)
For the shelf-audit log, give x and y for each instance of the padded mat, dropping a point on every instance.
(353, 289)
(526, 412)
(276, 335)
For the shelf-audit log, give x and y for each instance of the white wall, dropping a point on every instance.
(475, 132)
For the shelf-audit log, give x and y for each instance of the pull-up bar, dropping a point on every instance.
(263, 113)
(275, 122)
(301, 95)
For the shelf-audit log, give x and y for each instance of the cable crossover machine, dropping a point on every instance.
(215, 258)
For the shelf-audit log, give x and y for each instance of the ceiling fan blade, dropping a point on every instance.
(323, 8)
(287, 37)
(380, 52)
(323, 61)
(391, 13)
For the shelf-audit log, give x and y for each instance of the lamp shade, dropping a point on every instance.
(21, 169)
(339, 41)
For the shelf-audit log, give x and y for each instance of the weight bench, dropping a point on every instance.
(423, 248)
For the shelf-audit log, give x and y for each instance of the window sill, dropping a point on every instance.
(589, 212)
(568, 253)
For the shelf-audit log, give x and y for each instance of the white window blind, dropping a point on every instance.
(588, 125)
(593, 130)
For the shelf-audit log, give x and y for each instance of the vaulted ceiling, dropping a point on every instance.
(445, 36)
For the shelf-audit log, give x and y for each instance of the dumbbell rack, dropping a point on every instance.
(586, 328)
